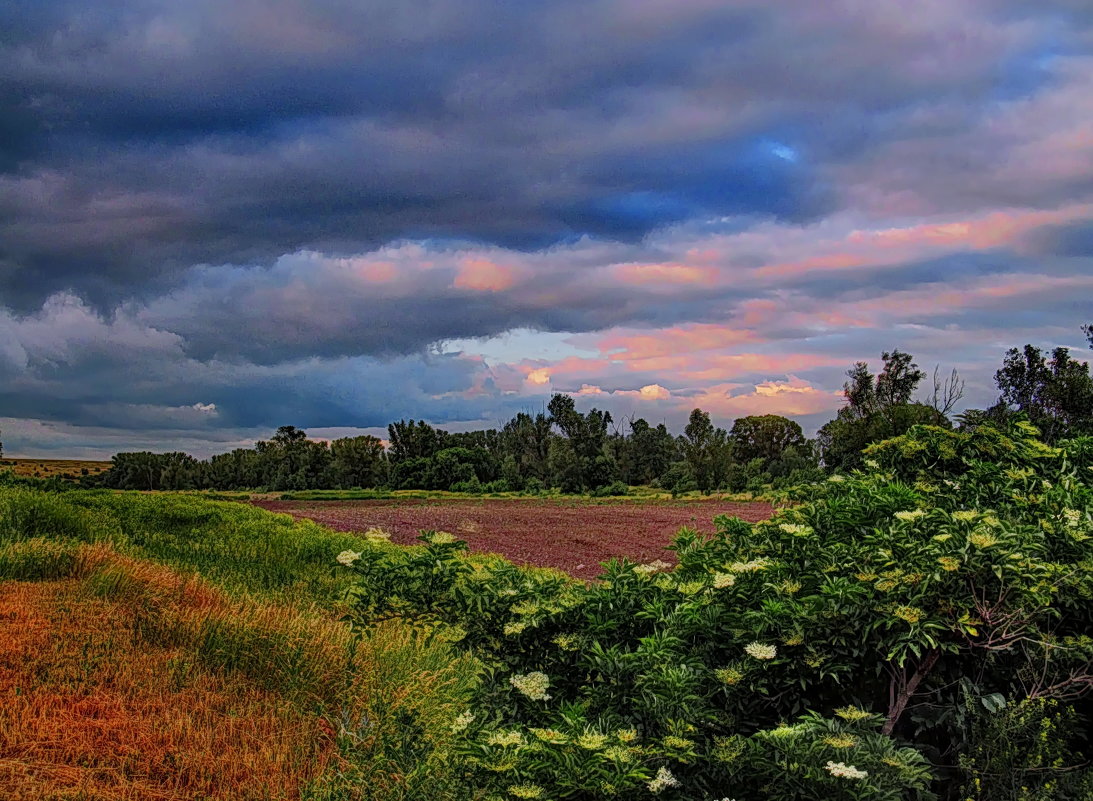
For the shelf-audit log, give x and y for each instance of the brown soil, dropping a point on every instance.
(572, 535)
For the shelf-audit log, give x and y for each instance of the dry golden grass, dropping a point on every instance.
(47, 468)
(127, 680)
(89, 711)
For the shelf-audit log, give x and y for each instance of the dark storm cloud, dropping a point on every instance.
(144, 137)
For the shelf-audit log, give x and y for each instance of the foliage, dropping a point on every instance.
(1056, 394)
(794, 658)
(707, 451)
(877, 408)
(764, 437)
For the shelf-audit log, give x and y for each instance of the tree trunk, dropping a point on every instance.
(902, 689)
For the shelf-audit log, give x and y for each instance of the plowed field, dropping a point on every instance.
(575, 536)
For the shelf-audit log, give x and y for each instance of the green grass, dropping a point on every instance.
(275, 621)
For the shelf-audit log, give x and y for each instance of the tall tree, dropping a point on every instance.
(414, 440)
(526, 448)
(586, 436)
(650, 451)
(1055, 393)
(876, 408)
(706, 450)
(764, 437)
(357, 462)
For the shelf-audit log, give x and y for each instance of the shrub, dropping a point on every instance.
(790, 658)
(614, 489)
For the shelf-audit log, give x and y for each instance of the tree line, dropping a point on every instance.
(588, 452)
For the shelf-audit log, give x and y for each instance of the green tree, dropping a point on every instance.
(525, 442)
(414, 440)
(877, 407)
(764, 437)
(586, 436)
(1055, 393)
(650, 451)
(357, 462)
(706, 450)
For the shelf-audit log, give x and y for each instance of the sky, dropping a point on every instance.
(218, 218)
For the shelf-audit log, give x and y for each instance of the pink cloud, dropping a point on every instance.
(539, 376)
(672, 341)
(791, 397)
(650, 392)
(483, 275)
(669, 273)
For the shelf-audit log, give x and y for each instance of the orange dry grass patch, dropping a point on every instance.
(89, 711)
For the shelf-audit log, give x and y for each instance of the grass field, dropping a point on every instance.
(169, 647)
(47, 468)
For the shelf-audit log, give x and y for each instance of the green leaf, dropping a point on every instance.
(995, 702)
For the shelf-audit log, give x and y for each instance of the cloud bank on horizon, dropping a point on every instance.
(217, 219)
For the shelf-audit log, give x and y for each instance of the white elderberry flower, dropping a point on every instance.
(757, 650)
(845, 771)
(505, 738)
(347, 558)
(462, 722)
(533, 685)
(651, 567)
(664, 778)
(723, 580)
(912, 514)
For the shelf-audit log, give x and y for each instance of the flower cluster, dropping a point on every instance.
(949, 563)
(911, 514)
(533, 685)
(376, 535)
(567, 642)
(852, 713)
(651, 567)
(749, 566)
(663, 779)
(552, 736)
(516, 627)
(440, 538)
(1073, 517)
(526, 791)
(840, 741)
(619, 753)
(982, 539)
(756, 650)
(796, 529)
(505, 738)
(845, 771)
(462, 722)
(965, 515)
(592, 740)
(723, 580)
(347, 558)
(671, 741)
(691, 587)
(909, 613)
